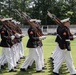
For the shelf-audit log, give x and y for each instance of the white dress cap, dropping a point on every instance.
(33, 20)
(14, 21)
(6, 19)
(38, 21)
(65, 20)
(18, 22)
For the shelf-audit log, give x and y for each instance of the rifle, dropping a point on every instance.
(14, 28)
(27, 19)
(54, 18)
(7, 27)
(57, 20)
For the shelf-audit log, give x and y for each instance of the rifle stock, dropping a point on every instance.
(54, 18)
(57, 20)
(27, 19)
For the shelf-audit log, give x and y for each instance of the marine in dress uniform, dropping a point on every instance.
(40, 48)
(33, 43)
(63, 46)
(20, 43)
(6, 45)
(17, 48)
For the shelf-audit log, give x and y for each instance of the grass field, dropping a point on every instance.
(48, 46)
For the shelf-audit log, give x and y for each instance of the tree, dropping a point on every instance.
(38, 9)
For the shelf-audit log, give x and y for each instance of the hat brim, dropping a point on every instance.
(65, 20)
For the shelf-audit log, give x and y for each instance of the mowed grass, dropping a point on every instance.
(49, 45)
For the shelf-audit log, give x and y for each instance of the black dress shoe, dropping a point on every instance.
(22, 57)
(56, 73)
(44, 68)
(51, 58)
(39, 71)
(2, 67)
(16, 67)
(5, 64)
(29, 67)
(23, 69)
(73, 74)
(12, 70)
(17, 62)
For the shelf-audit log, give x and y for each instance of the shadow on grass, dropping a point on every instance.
(1, 72)
(50, 67)
(63, 70)
(32, 71)
(28, 72)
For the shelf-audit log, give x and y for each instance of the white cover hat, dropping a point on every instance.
(6, 19)
(18, 22)
(38, 20)
(14, 21)
(33, 20)
(65, 20)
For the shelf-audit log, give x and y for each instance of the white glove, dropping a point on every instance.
(17, 35)
(42, 37)
(67, 39)
(22, 35)
(74, 36)
(12, 37)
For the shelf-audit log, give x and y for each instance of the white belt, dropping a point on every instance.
(67, 39)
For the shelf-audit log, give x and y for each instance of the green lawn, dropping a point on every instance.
(48, 47)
